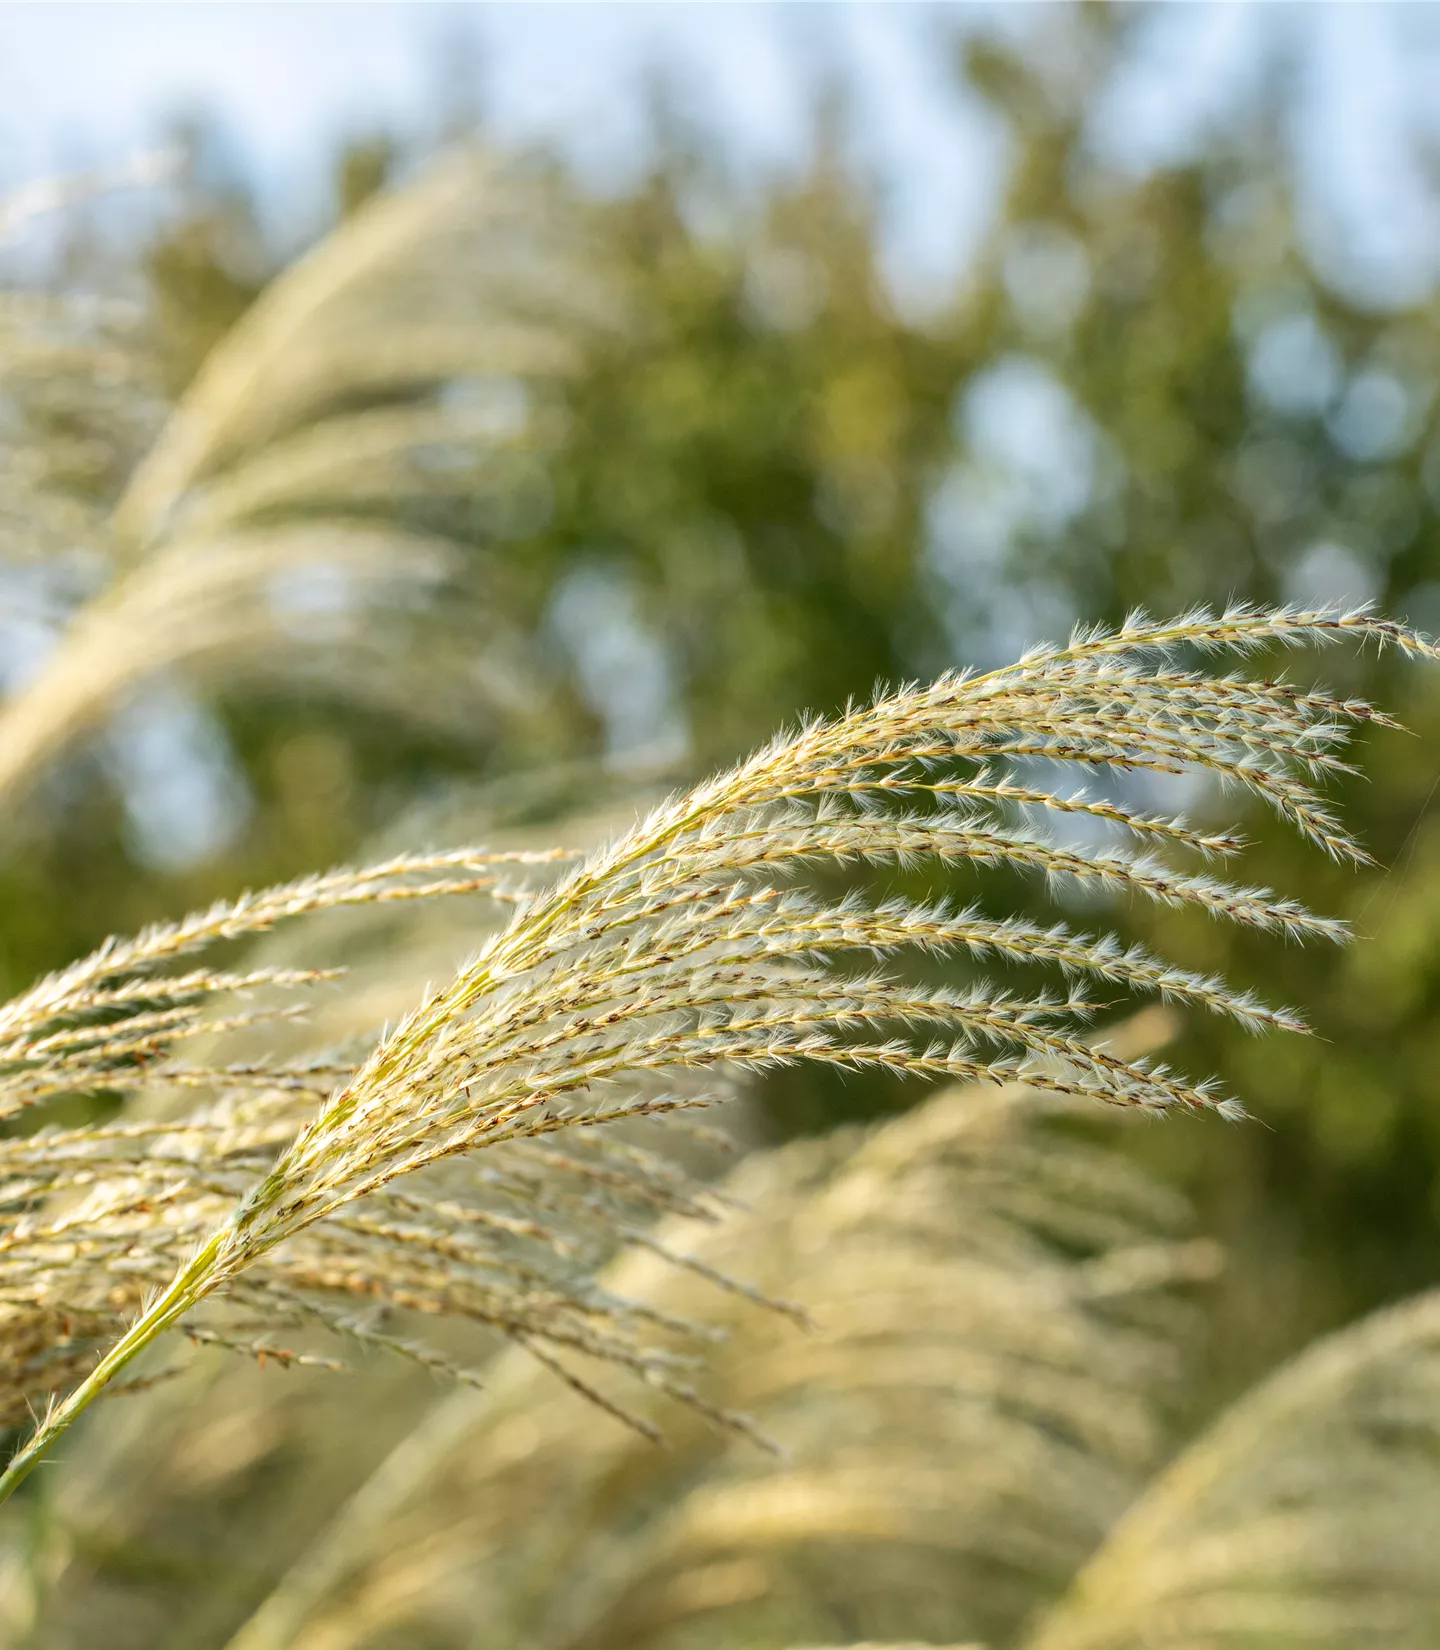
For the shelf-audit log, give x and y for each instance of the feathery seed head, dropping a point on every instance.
(691, 944)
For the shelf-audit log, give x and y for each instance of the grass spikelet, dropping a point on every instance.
(111, 1018)
(688, 945)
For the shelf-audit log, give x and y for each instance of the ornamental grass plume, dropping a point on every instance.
(82, 399)
(995, 1366)
(105, 1213)
(47, 195)
(81, 393)
(344, 469)
(1308, 1515)
(691, 945)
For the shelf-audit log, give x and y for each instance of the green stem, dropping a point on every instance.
(183, 1292)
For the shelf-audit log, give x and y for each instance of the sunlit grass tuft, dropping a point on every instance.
(692, 945)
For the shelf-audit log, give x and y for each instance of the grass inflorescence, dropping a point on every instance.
(697, 945)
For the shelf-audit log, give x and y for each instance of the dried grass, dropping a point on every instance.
(332, 467)
(1307, 1516)
(689, 946)
(987, 1386)
(109, 1212)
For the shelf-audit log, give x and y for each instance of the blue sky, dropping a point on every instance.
(83, 84)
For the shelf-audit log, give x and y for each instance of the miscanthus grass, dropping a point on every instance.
(98, 1216)
(358, 429)
(1306, 1516)
(693, 945)
(1000, 1351)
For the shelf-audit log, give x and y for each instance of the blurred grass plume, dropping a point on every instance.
(1305, 1516)
(331, 460)
(997, 1357)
